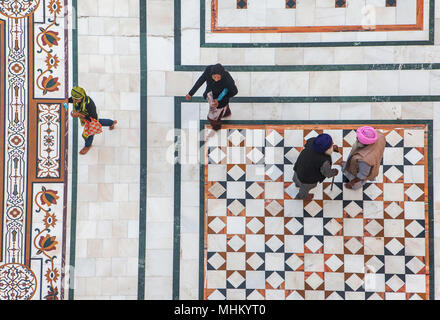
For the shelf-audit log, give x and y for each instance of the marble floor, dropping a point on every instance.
(261, 243)
(163, 207)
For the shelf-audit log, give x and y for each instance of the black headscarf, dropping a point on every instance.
(218, 69)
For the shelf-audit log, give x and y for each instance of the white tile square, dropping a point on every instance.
(216, 172)
(395, 264)
(236, 190)
(414, 138)
(293, 138)
(236, 225)
(216, 242)
(294, 243)
(415, 247)
(353, 263)
(415, 283)
(393, 156)
(215, 279)
(255, 207)
(414, 174)
(274, 261)
(333, 209)
(394, 228)
(274, 155)
(393, 192)
(334, 244)
(294, 280)
(255, 243)
(255, 172)
(373, 209)
(274, 225)
(255, 280)
(414, 210)
(353, 227)
(293, 208)
(313, 262)
(374, 246)
(255, 137)
(235, 261)
(334, 281)
(274, 190)
(313, 226)
(216, 207)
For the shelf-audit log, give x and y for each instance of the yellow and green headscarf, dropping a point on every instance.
(80, 93)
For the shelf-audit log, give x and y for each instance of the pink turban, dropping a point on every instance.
(366, 135)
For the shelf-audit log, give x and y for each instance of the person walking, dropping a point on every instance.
(220, 87)
(85, 109)
(365, 158)
(314, 164)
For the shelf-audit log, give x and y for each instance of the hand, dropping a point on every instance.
(335, 172)
(335, 148)
(75, 114)
(215, 103)
(188, 97)
(342, 164)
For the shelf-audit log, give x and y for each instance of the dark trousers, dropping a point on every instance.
(104, 123)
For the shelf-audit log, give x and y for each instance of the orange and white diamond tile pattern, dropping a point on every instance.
(261, 243)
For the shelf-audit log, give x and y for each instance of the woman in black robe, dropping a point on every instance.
(220, 87)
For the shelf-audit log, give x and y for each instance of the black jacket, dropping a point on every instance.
(216, 87)
(90, 109)
(309, 163)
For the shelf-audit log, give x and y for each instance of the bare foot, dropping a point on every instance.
(113, 125)
(85, 150)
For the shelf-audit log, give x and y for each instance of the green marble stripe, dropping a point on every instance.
(74, 199)
(317, 44)
(143, 148)
(177, 200)
(323, 99)
(177, 33)
(310, 68)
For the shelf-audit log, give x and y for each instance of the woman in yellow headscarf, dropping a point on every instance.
(85, 109)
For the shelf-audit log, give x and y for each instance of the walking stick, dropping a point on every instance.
(336, 149)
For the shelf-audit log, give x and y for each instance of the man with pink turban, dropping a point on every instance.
(364, 160)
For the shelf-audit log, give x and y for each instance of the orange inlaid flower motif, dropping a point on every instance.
(49, 197)
(52, 61)
(50, 220)
(50, 84)
(52, 275)
(54, 7)
(47, 243)
(50, 38)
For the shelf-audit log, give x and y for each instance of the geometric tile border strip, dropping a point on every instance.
(234, 17)
(33, 126)
(205, 9)
(262, 244)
